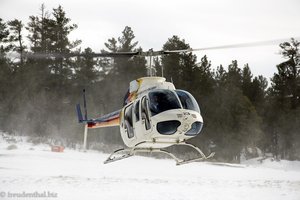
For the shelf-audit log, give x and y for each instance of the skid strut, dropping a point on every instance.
(125, 153)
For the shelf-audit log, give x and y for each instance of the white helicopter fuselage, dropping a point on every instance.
(144, 125)
(155, 116)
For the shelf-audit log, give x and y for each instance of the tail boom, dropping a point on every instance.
(111, 119)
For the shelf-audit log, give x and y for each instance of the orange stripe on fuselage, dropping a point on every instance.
(109, 123)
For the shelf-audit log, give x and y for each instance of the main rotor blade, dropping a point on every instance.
(69, 55)
(230, 46)
(151, 52)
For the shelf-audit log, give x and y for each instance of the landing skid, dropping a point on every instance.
(125, 153)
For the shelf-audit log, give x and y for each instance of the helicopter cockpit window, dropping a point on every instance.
(163, 100)
(137, 111)
(128, 121)
(187, 100)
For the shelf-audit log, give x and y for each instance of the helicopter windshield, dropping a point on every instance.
(187, 100)
(163, 100)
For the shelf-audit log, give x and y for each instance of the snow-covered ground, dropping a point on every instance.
(75, 175)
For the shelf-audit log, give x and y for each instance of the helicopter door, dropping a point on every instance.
(145, 115)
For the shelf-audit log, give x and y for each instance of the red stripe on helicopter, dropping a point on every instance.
(110, 122)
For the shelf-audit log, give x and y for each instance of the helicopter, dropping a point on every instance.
(155, 114)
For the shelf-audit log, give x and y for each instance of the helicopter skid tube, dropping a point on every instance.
(125, 153)
(202, 157)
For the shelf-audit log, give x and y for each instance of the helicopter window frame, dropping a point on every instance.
(146, 112)
(128, 120)
(136, 111)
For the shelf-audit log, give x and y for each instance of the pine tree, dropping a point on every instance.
(126, 68)
(6, 72)
(85, 69)
(60, 44)
(203, 78)
(178, 67)
(4, 33)
(247, 81)
(285, 83)
(284, 97)
(16, 27)
(234, 75)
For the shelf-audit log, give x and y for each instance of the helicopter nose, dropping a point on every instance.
(191, 123)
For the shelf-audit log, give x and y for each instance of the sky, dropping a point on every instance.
(202, 23)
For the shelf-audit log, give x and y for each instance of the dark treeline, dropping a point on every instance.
(242, 115)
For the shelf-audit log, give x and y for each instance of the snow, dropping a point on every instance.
(82, 175)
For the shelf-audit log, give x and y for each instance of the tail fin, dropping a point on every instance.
(78, 109)
(79, 114)
(84, 105)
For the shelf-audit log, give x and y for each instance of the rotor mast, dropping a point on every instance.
(150, 67)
